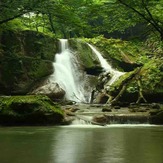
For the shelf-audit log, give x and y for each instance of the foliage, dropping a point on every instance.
(128, 51)
(149, 11)
(150, 77)
(77, 18)
(152, 73)
(23, 61)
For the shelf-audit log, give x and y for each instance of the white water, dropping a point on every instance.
(104, 64)
(82, 124)
(67, 74)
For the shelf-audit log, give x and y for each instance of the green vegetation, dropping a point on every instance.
(86, 18)
(86, 57)
(25, 57)
(128, 33)
(121, 54)
(29, 110)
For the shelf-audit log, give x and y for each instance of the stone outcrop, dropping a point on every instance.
(29, 110)
(25, 57)
(156, 116)
(88, 61)
(51, 89)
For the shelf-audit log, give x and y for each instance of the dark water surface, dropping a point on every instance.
(113, 144)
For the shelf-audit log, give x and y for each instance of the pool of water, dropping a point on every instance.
(82, 144)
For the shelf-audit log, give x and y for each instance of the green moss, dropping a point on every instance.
(19, 73)
(152, 75)
(29, 43)
(150, 78)
(25, 57)
(29, 110)
(125, 79)
(84, 53)
(123, 55)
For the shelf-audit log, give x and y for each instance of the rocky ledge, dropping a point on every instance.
(106, 114)
(29, 110)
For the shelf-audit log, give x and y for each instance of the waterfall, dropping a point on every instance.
(67, 74)
(104, 64)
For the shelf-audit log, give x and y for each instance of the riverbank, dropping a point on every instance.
(40, 110)
(107, 114)
(29, 110)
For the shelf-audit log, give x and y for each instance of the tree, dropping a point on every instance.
(10, 9)
(84, 18)
(150, 11)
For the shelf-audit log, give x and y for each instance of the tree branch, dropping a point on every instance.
(151, 17)
(142, 15)
(11, 18)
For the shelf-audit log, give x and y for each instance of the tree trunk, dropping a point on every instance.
(11, 18)
(119, 94)
(51, 23)
(140, 96)
(161, 36)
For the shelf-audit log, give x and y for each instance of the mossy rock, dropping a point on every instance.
(19, 74)
(127, 78)
(150, 77)
(86, 57)
(25, 58)
(29, 110)
(120, 54)
(29, 43)
(157, 117)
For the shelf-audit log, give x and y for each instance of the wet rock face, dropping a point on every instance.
(99, 95)
(18, 75)
(101, 98)
(103, 79)
(88, 61)
(93, 70)
(28, 43)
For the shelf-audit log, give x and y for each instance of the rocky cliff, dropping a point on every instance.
(25, 57)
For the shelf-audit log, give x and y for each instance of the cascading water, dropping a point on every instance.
(67, 74)
(104, 64)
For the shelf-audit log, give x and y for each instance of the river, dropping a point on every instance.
(82, 144)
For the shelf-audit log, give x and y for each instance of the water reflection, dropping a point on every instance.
(81, 145)
(108, 145)
(24, 145)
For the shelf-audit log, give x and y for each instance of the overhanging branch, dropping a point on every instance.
(156, 26)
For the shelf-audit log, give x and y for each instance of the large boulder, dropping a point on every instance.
(51, 89)
(157, 118)
(29, 110)
(101, 98)
(25, 57)
(19, 74)
(28, 43)
(87, 60)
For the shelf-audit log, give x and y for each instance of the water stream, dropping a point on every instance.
(106, 66)
(68, 75)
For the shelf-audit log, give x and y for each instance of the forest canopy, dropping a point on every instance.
(82, 18)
